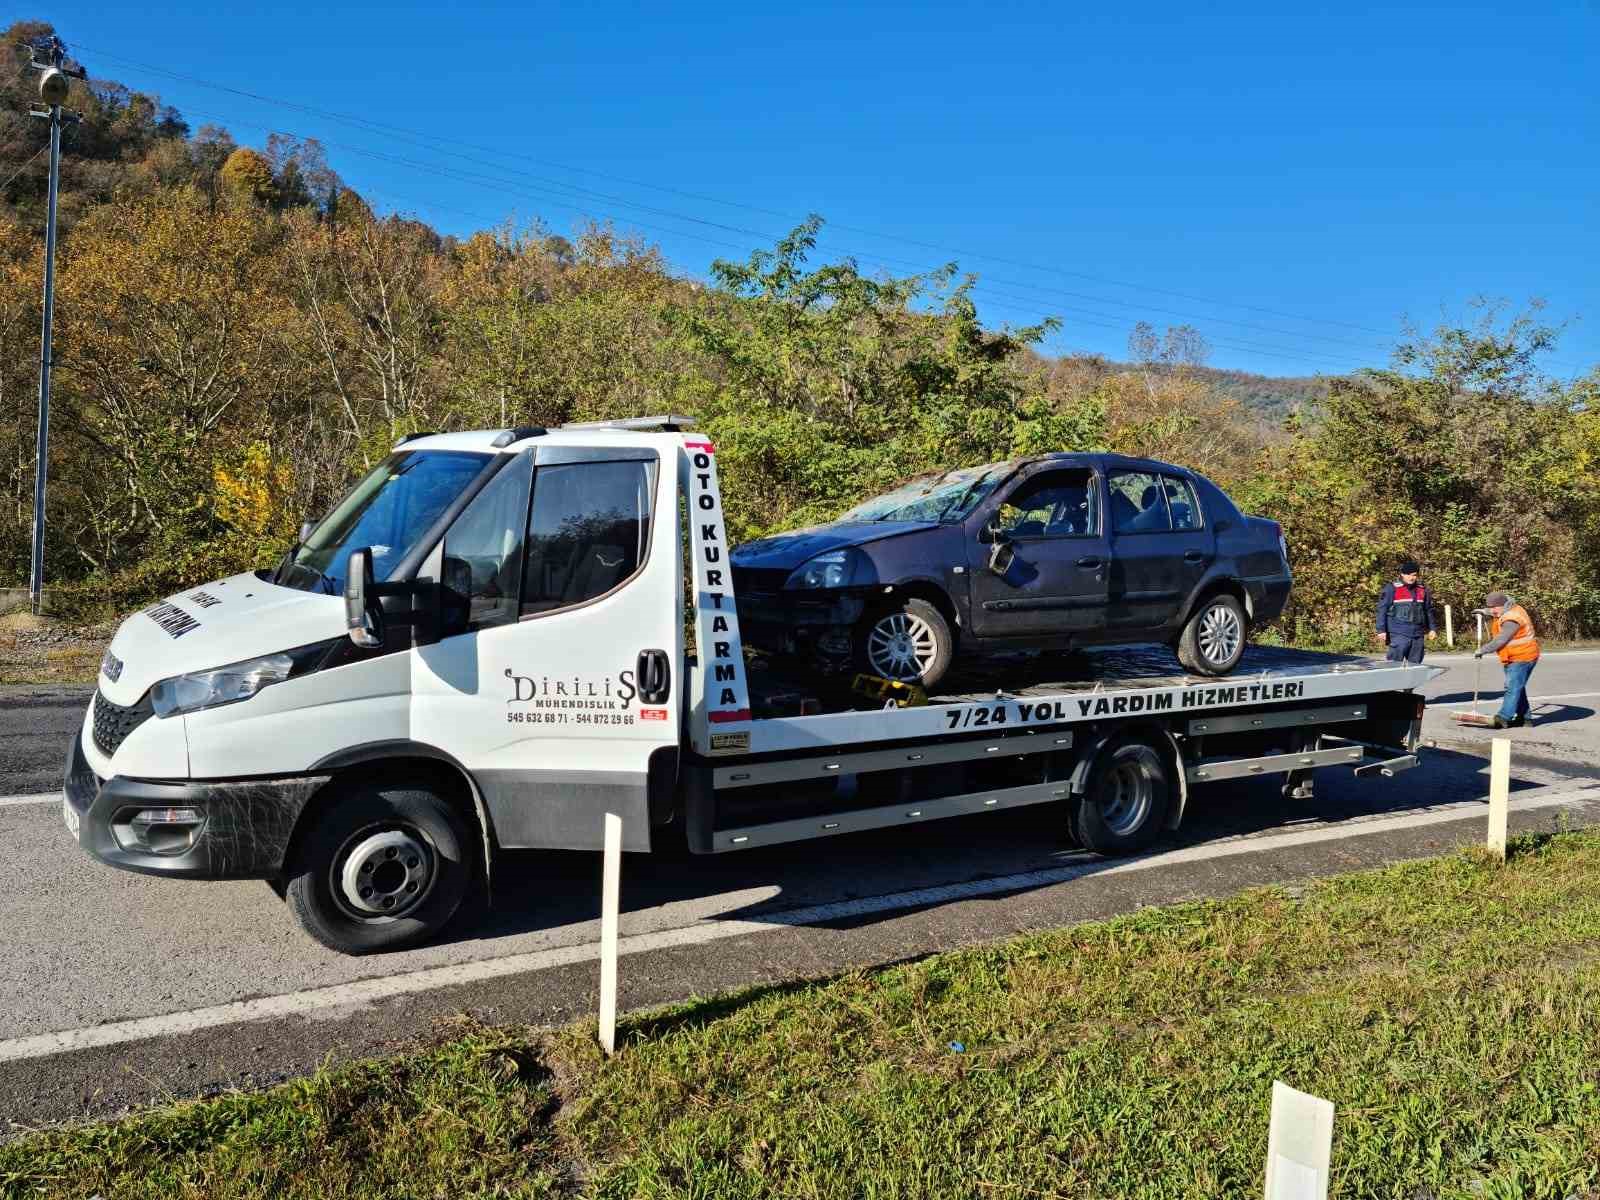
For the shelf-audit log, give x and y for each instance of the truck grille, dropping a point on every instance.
(114, 722)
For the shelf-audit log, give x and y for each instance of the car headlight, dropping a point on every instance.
(234, 682)
(834, 569)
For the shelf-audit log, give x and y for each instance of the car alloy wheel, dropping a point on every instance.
(901, 646)
(1220, 634)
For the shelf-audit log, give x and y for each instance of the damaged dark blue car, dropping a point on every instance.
(1050, 552)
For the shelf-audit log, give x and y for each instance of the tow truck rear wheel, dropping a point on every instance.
(384, 867)
(1125, 805)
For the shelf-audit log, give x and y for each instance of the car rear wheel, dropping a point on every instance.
(909, 642)
(384, 866)
(1213, 641)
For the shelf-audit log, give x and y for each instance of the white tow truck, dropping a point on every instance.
(485, 645)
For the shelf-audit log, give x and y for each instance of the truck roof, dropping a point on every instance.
(496, 441)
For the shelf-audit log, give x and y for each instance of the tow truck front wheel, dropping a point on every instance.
(384, 867)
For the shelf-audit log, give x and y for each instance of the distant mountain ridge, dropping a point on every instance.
(1271, 396)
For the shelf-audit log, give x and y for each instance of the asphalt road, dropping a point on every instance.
(116, 988)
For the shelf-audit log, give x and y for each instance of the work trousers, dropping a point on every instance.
(1515, 705)
(1407, 647)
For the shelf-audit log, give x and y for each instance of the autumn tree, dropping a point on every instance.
(174, 325)
(247, 175)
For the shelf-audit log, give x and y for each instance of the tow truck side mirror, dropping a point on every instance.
(362, 617)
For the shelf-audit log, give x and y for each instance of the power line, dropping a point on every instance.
(566, 189)
(25, 165)
(412, 135)
(525, 191)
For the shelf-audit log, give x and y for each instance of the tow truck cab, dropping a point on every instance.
(483, 646)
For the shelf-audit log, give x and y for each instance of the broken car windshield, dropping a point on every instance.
(947, 497)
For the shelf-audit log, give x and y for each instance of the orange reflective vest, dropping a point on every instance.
(1524, 646)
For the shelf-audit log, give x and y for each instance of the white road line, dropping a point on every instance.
(1535, 701)
(36, 798)
(368, 991)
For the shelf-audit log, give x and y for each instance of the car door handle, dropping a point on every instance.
(1089, 561)
(1193, 556)
(655, 677)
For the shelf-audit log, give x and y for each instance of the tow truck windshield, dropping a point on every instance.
(389, 509)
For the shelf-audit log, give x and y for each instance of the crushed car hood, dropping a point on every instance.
(225, 621)
(801, 545)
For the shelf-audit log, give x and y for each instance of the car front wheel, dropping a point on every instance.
(909, 642)
(1213, 641)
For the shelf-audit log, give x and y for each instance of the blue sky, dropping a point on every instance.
(1295, 181)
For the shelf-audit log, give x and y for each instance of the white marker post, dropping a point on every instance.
(1299, 1145)
(1449, 628)
(1499, 794)
(610, 898)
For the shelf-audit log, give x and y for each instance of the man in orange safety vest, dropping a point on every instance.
(1513, 638)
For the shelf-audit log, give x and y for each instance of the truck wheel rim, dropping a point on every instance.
(1130, 791)
(385, 874)
(1220, 633)
(901, 646)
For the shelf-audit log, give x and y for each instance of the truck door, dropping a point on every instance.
(1159, 548)
(554, 683)
(1049, 577)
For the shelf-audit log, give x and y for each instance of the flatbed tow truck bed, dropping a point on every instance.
(1034, 730)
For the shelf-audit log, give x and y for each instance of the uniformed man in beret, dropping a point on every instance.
(1405, 615)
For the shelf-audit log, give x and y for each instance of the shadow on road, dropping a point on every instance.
(1552, 713)
(536, 890)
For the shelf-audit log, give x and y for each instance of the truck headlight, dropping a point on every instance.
(234, 682)
(834, 569)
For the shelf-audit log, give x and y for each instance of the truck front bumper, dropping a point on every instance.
(193, 829)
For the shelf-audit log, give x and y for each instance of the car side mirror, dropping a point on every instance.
(363, 618)
(1001, 555)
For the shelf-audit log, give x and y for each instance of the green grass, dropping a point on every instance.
(1451, 1010)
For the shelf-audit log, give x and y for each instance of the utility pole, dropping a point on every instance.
(49, 56)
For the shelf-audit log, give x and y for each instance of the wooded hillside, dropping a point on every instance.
(238, 332)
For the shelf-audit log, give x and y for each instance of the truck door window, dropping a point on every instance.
(483, 550)
(1181, 503)
(1138, 504)
(1057, 504)
(588, 532)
